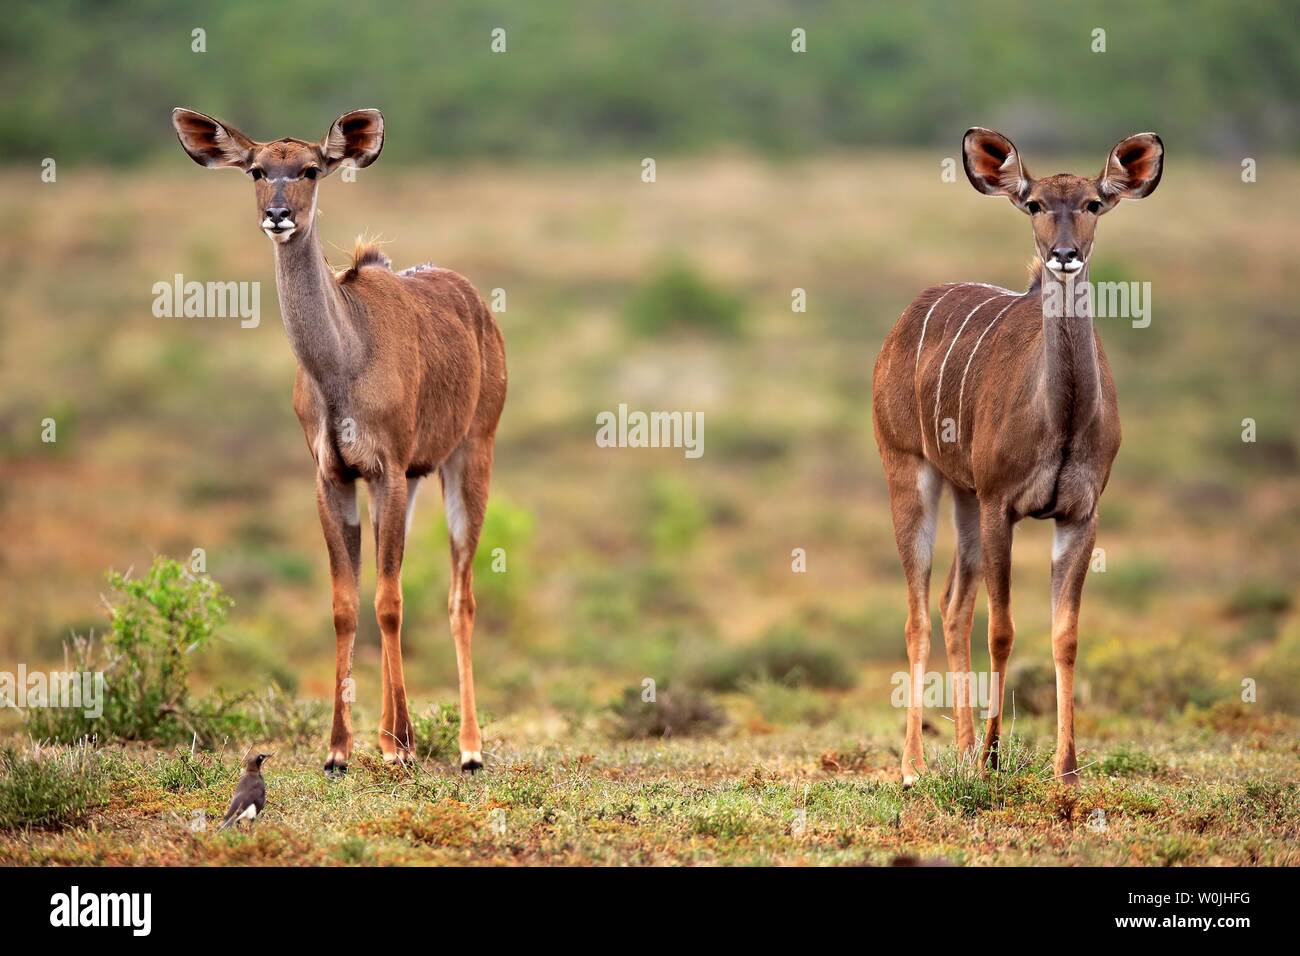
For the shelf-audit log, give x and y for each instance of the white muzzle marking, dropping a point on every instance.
(1071, 267)
(281, 231)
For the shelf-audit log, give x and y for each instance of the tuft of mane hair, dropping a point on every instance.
(1035, 271)
(364, 254)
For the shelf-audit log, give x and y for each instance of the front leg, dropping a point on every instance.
(1071, 553)
(996, 531)
(337, 504)
(388, 499)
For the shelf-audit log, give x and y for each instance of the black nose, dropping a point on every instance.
(1064, 254)
(276, 213)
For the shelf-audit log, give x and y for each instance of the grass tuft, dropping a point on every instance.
(955, 782)
(1125, 762)
(185, 770)
(50, 788)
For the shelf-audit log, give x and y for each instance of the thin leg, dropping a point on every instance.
(388, 498)
(385, 692)
(337, 504)
(1071, 553)
(958, 610)
(465, 478)
(995, 541)
(914, 499)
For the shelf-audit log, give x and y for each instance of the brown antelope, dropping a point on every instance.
(1010, 404)
(399, 375)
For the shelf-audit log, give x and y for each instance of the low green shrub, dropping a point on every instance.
(783, 655)
(1124, 762)
(679, 712)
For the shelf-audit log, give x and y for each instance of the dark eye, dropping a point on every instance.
(1094, 207)
(310, 172)
(1033, 208)
(256, 174)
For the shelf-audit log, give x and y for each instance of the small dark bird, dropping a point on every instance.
(250, 794)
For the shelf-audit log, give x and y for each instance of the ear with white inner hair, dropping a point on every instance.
(355, 139)
(993, 165)
(1133, 168)
(210, 142)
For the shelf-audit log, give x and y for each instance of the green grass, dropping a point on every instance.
(811, 795)
(49, 788)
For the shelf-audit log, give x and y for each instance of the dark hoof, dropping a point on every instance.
(333, 769)
(471, 760)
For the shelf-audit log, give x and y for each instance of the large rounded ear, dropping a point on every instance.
(993, 166)
(355, 139)
(210, 142)
(1133, 168)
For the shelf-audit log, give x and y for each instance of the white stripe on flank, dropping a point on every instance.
(938, 389)
(961, 393)
(921, 341)
(954, 286)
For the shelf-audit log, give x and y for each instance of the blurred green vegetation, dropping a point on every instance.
(98, 79)
(678, 299)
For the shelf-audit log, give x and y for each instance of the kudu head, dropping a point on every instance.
(285, 172)
(1063, 209)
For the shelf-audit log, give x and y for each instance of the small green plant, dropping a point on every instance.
(186, 770)
(679, 712)
(50, 788)
(679, 298)
(437, 732)
(155, 623)
(1124, 762)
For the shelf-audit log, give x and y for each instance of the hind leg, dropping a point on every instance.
(914, 488)
(957, 610)
(465, 478)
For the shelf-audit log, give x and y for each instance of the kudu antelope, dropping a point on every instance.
(1011, 405)
(399, 375)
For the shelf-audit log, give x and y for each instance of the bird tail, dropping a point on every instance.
(227, 822)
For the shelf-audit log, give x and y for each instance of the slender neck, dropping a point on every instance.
(1071, 378)
(316, 313)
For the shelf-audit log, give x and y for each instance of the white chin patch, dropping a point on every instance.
(286, 228)
(1071, 267)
